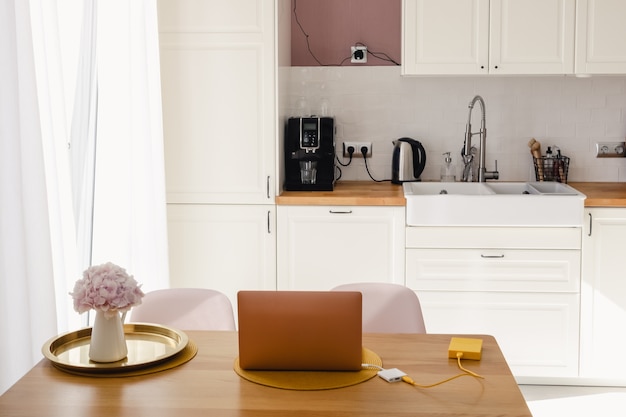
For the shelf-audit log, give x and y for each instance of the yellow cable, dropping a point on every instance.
(409, 381)
(466, 372)
(458, 357)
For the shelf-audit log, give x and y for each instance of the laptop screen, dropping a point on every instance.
(300, 330)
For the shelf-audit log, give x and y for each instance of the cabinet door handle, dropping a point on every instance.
(269, 230)
(498, 256)
(331, 211)
(590, 224)
(268, 187)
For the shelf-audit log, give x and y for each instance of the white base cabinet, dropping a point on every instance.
(603, 302)
(521, 285)
(320, 247)
(223, 247)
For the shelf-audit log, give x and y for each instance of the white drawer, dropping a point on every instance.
(494, 237)
(493, 270)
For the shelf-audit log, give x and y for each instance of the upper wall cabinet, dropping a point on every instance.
(218, 85)
(532, 36)
(600, 37)
(464, 37)
(445, 37)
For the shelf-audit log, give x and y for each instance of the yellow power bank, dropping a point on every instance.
(470, 348)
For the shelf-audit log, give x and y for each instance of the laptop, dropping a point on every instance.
(300, 330)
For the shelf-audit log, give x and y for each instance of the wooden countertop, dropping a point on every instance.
(348, 193)
(369, 193)
(602, 194)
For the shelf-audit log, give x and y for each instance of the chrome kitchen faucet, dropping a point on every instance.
(468, 156)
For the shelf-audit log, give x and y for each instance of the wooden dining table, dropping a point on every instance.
(207, 385)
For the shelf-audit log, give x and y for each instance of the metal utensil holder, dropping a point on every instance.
(551, 169)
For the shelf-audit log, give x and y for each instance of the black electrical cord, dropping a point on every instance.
(379, 55)
(364, 153)
(384, 58)
(339, 173)
(306, 35)
(308, 44)
(350, 153)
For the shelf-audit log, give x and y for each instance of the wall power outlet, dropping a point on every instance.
(358, 54)
(610, 149)
(357, 149)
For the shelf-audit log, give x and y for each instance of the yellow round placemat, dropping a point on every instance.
(312, 380)
(185, 355)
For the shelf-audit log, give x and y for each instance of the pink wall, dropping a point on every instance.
(334, 26)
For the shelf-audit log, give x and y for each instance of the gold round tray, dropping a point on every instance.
(148, 344)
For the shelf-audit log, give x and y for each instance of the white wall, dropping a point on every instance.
(377, 105)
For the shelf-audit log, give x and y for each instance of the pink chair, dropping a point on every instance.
(388, 308)
(186, 309)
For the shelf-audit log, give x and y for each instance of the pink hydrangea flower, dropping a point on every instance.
(107, 288)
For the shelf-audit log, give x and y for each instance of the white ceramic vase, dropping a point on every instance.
(107, 339)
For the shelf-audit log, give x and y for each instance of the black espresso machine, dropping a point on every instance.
(310, 154)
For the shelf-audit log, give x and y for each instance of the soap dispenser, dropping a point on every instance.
(447, 169)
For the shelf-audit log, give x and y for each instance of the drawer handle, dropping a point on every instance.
(492, 256)
(340, 211)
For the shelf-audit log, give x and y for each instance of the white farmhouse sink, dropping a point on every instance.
(456, 188)
(529, 204)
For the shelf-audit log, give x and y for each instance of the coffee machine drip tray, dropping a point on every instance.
(310, 154)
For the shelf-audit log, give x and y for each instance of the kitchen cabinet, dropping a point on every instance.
(445, 37)
(224, 247)
(320, 247)
(521, 285)
(600, 34)
(218, 72)
(464, 37)
(603, 294)
(218, 75)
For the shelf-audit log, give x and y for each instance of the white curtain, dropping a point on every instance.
(27, 288)
(45, 189)
(82, 146)
(130, 176)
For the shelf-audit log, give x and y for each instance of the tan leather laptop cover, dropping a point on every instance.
(300, 330)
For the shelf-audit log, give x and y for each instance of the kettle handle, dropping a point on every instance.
(419, 156)
(419, 159)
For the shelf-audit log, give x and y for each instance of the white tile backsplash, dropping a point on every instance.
(378, 105)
